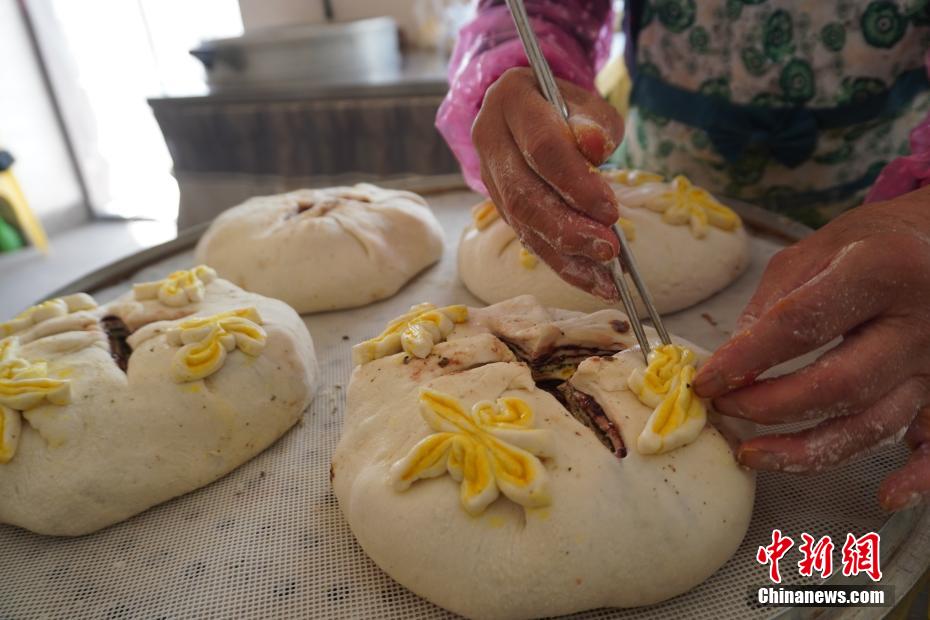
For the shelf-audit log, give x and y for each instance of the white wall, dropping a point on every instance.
(258, 14)
(105, 58)
(30, 130)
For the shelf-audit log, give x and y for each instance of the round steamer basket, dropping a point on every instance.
(269, 540)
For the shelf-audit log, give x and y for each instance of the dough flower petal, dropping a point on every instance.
(684, 203)
(492, 449)
(484, 214)
(24, 385)
(633, 178)
(629, 228)
(680, 202)
(665, 384)
(60, 306)
(179, 288)
(415, 333)
(528, 260)
(205, 341)
(10, 429)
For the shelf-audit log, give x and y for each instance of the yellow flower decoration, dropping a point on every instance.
(527, 259)
(10, 430)
(483, 214)
(685, 203)
(205, 341)
(665, 384)
(60, 306)
(24, 385)
(490, 450)
(415, 333)
(178, 289)
(629, 229)
(633, 178)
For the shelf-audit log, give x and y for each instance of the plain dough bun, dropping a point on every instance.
(679, 268)
(324, 249)
(619, 532)
(128, 440)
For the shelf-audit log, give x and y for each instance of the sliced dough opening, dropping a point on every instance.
(117, 337)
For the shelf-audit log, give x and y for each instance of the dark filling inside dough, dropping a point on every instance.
(557, 363)
(551, 372)
(117, 333)
(621, 327)
(585, 409)
(563, 363)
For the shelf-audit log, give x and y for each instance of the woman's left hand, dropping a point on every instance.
(865, 277)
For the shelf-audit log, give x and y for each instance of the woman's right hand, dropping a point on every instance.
(541, 174)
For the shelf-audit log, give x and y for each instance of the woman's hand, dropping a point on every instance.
(541, 174)
(865, 277)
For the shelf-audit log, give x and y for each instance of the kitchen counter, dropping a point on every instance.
(231, 145)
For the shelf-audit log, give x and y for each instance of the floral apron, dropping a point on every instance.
(793, 105)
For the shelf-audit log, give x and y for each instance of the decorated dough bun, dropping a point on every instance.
(107, 411)
(504, 463)
(687, 246)
(324, 249)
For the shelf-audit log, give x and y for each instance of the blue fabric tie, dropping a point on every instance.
(787, 134)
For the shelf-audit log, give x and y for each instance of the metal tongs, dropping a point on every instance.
(551, 91)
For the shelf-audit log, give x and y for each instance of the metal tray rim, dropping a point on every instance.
(898, 530)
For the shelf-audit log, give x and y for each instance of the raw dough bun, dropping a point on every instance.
(679, 269)
(350, 246)
(130, 440)
(618, 532)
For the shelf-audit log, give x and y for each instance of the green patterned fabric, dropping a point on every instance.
(778, 54)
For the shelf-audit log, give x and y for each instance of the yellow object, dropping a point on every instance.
(24, 385)
(415, 333)
(527, 258)
(205, 341)
(483, 214)
(685, 203)
(178, 289)
(60, 306)
(629, 229)
(665, 384)
(632, 178)
(26, 220)
(614, 84)
(10, 428)
(492, 449)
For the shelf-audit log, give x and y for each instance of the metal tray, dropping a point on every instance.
(288, 57)
(268, 540)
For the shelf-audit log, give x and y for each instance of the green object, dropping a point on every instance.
(882, 24)
(9, 239)
(789, 134)
(818, 93)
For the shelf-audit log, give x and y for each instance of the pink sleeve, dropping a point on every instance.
(908, 173)
(574, 35)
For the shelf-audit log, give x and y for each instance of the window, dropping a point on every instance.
(104, 59)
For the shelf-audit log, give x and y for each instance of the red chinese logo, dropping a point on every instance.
(860, 555)
(774, 552)
(816, 556)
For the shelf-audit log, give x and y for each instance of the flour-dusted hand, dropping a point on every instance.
(541, 174)
(864, 277)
